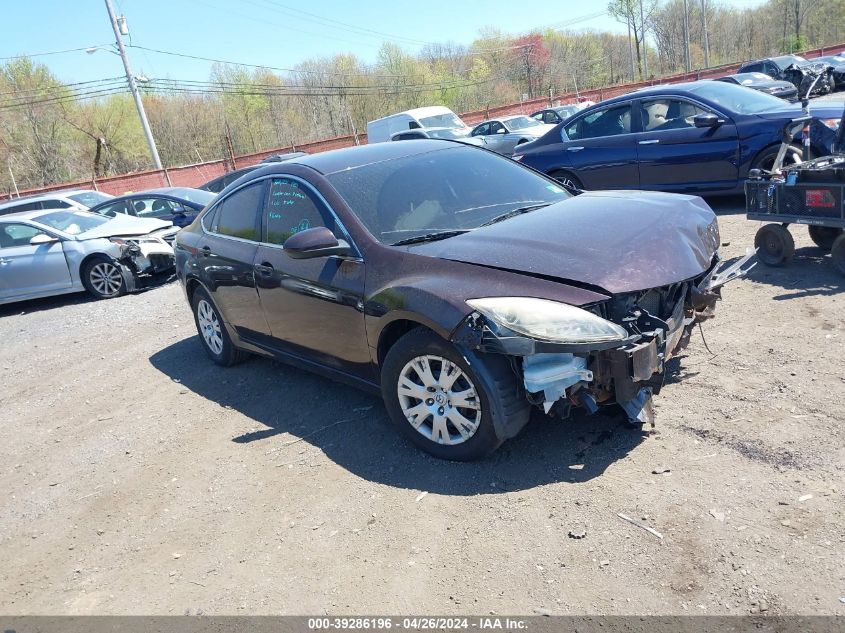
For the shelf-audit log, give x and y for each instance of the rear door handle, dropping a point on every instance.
(4, 261)
(574, 149)
(206, 250)
(650, 141)
(265, 269)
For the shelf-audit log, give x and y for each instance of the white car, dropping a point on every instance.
(75, 199)
(502, 135)
(52, 252)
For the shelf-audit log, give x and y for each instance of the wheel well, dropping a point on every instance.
(392, 333)
(191, 287)
(89, 258)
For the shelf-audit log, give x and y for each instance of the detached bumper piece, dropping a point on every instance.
(145, 260)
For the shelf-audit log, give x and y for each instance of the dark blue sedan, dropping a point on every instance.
(179, 205)
(699, 137)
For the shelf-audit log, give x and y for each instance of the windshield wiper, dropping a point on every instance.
(430, 237)
(515, 212)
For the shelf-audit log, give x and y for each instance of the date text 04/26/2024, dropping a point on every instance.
(421, 623)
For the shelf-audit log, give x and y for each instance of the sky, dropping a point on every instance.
(278, 33)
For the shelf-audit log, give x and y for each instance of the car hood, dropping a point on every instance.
(604, 240)
(794, 111)
(537, 130)
(124, 225)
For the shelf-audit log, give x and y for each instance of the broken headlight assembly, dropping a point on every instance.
(547, 320)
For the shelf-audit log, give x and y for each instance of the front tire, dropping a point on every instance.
(103, 278)
(765, 160)
(775, 245)
(212, 331)
(445, 405)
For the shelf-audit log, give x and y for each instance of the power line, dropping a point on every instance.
(65, 98)
(59, 87)
(67, 50)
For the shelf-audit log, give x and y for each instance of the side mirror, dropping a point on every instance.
(707, 119)
(501, 130)
(42, 238)
(316, 242)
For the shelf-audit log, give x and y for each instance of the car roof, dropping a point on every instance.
(352, 157)
(50, 195)
(30, 215)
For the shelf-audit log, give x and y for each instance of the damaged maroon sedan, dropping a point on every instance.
(462, 286)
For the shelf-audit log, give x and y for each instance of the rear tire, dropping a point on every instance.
(424, 381)
(568, 180)
(824, 236)
(775, 245)
(838, 254)
(103, 277)
(214, 338)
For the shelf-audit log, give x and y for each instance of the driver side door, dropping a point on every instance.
(30, 269)
(314, 307)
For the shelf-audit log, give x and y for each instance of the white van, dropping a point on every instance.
(383, 129)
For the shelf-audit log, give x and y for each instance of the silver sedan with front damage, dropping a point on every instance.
(502, 135)
(45, 253)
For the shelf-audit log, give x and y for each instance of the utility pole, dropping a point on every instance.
(642, 34)
(133, 87)
(704, 29)
(630, 46)
(687, 65)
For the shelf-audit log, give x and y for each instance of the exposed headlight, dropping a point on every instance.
(547, 320)
(833, 124)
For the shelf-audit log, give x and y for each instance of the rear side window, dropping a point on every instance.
(608, 122)
(55, 204)
(292, 207)
(26, 206)
(237, 215)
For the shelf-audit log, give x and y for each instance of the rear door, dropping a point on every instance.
(227, 249)
(27, 269)
(674, 155)
(314, 307)
(601, 149)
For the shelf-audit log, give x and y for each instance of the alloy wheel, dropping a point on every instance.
(106, 279)
(439, 400)
(209, 326)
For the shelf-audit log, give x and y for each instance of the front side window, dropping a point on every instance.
(497, 128)
(12, 235)
(110, 210)
(481, 130)
(55, 204)
(154, 207)
(237, 215)
(607, 122)
(550, 116)
(668, 114)
(291, 208)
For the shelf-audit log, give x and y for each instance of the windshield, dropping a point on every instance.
(89, 198)
(788, 60)
(193, 195)
(752, 77)
(456, 188)
(449, 119)
(447, 134)
(521, 122)
(737, 98)
(71, 222)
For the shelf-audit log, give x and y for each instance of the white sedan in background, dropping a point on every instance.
(44, 253)
(502, 135)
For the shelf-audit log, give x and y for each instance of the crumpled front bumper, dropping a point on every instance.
(144, 259)
(561, 375)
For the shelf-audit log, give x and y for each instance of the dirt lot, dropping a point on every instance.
(138, 478)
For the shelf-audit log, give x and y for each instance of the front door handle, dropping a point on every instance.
(4, 261)
(574, 149)
(650, 141)
(265, 269)
(206, 250)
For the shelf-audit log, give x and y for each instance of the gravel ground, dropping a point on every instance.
(139, 478)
